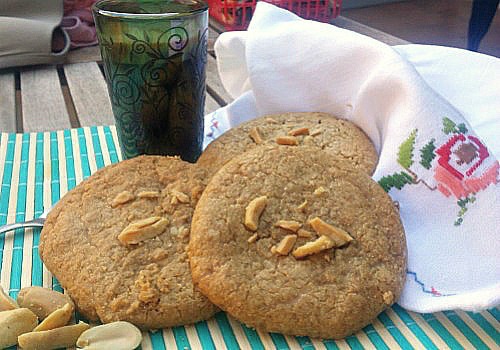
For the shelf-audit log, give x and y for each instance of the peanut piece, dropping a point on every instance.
(122, 198)
(148, 194)
(337, 235)
(286, 245)
(118, 335)
(308, 140)
(320, 244)
(62, 337)
(299, 131)
(142, 230)
(255, 135)
(253, 211)
(319, 191)
(180, 196)
(388, 298)
(42, 301)
(58, 318)
(6, 302)
(290, 225)
(287, 140)
(253, 238)
(304, 233)
(179, 231)
(302, 206)
(271, 121)
(158, 254)
(273, 249)
(316, 132)
(13, 323)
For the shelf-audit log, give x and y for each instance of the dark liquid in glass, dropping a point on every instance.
(156, 79)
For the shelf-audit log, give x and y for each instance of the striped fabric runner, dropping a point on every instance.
(37, 169)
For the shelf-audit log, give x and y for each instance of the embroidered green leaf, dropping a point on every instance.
(458, 221)
(427, 154)
(397, 180)
(449, 126)
(405, 154)
(462, 128)
(462, 204)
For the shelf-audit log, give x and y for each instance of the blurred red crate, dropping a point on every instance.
(236, 14)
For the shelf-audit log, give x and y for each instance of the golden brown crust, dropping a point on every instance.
(329, 294)
(147, 283)
(339, 137)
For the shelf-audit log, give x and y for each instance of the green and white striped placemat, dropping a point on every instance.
(37, 169)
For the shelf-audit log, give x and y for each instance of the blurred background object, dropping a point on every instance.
(79, 23)
(483, 12)
(438, 22)
(30, 33)
(42, 31)
(236, 14)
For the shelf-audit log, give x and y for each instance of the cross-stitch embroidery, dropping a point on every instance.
(214, 125)
(433, 291)
(461, 169)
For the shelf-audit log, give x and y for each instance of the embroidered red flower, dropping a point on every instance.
(464, 166)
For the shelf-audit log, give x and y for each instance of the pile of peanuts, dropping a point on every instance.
(39, 320)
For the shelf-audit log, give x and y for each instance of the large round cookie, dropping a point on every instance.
(339, 137)
(328, 294)
(143, 277)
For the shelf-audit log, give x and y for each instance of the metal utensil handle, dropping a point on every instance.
(33, 223)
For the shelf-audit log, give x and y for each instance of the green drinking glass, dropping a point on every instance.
(154, 54)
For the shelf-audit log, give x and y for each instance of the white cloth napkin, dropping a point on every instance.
(431, 160)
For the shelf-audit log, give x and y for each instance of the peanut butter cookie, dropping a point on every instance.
(117, 243)
(339, 137)
(287, 239)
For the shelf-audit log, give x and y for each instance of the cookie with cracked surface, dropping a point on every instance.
(117, 243)
(288, 240)
(340, 137)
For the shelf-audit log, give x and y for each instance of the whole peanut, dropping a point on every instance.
(14, 323)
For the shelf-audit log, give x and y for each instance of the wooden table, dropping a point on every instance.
(74, 94)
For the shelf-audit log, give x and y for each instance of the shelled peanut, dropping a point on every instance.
(19, 324)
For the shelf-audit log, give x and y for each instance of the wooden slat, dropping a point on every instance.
(214, 84)
(212, 37)
(70, 107)
(43, 103)
(89, 93)
(84, 54)
(7, 102)
(347, 23)
(210, 104)
(216, 26)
